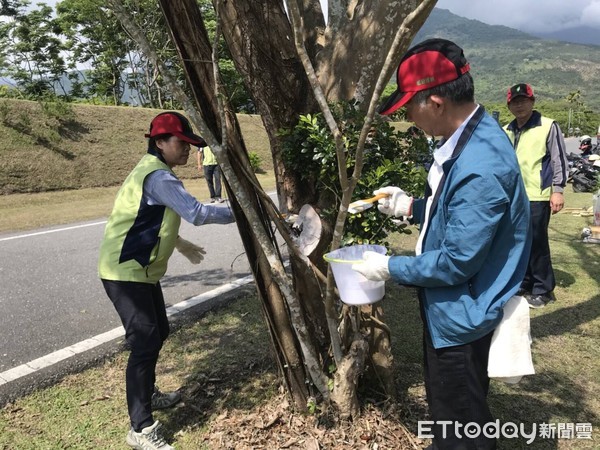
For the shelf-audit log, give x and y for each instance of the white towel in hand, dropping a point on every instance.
(510, 351)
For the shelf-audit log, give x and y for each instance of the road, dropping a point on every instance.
(51, 296)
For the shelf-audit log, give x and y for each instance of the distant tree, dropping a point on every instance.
(96, 40)
(32, 50)
(11, 8)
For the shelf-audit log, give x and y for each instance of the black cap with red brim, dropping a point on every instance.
(519, 90)
(426, 65)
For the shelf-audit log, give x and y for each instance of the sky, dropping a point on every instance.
(525, 15)
(538, 16)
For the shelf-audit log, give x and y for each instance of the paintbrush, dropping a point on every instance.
(360, 205)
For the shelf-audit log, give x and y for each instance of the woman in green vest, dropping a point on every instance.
(140, 236)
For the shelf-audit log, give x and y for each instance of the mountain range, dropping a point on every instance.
(501, 56)
(580, 35)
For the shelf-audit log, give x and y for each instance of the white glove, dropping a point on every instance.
(398, 204)
(192, 252)
(374, 266)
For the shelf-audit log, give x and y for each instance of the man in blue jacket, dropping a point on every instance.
(474, 241)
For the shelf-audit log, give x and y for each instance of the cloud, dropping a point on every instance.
(591, 15)
(528, 15)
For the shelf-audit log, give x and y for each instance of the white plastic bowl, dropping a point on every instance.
(355, 289)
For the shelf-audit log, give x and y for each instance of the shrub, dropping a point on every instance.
(391, 157)
(255, 161)
(57, 110)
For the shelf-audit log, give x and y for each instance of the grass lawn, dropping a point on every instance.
(30, 211)
(232, 400)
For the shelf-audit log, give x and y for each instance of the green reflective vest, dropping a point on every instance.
(533, 157)
(138, 238)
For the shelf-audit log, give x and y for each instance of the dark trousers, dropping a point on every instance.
(456, 383)
(539, 278)
(213, 179)
(141, 307)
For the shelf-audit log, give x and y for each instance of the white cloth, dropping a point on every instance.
(510, 351)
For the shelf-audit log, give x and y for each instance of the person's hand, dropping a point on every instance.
(397, 204)
(374, 266)
(192, 252)
(557, 201)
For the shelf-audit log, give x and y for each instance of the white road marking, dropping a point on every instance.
(115, 333)
(20, 236)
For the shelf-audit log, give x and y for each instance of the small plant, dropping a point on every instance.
(5, 112)
(24, 122)
(255, 161)
(48, 137)
(312, 406)
(57, 110)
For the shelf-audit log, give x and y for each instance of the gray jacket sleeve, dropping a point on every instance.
(558, 158)
(164, 188)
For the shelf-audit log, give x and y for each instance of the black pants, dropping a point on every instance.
(213, 179)
(141, 307)
(457, 383)
(539, 278)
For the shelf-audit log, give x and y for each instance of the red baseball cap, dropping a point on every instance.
(176, 124)
(426, 65)
(519, 90)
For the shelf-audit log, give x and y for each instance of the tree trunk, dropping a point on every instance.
(345, 380)
(259, 39)
(381, 365)
(261, 45)
(348, 67)
(191, 40)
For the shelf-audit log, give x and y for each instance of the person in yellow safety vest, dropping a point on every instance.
(541, 151)
(139, 238)
(207, 163)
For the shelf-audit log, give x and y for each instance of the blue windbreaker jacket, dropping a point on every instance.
(477, 242)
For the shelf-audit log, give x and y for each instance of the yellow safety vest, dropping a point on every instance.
(139, 238)
(531, 150)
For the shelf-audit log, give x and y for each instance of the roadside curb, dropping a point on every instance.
(49, 369)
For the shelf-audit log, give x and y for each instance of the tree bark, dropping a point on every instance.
(195, 51)
(348, 67)
(261, 45)
(346, 377)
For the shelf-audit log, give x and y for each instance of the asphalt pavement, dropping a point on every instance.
(51, 297)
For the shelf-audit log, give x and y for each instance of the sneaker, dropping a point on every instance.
(540, 300)
(220, 200)
(213, 200)
(148, 439)
(162, 400)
